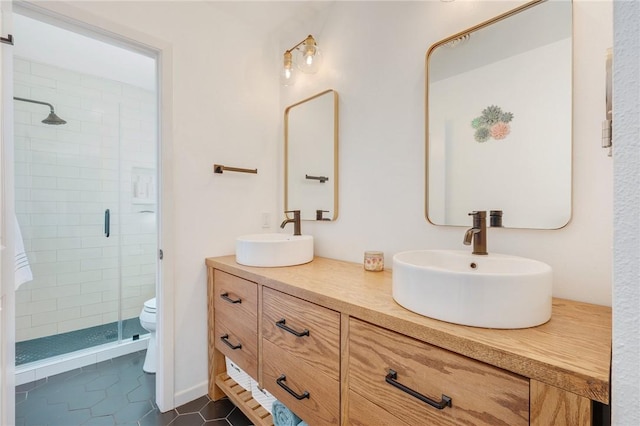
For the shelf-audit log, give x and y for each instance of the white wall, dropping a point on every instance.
(626, 300)
(374, 58)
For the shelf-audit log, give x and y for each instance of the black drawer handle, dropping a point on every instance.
(282, 325)
(226, 297)
(225, 340)
(393, 376)
(280, 381)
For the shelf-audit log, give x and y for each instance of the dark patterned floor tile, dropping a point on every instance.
(86, 400)
(156, 418)
(193, 419)
(133, 411)
(102, 382)
(237, 418)
(219, 409)
(101, 421)
(109, 405)
(193, 406)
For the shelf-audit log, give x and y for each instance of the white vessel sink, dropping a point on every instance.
(492, 291)
(273, 250)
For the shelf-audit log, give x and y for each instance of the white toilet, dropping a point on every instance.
(148, 322)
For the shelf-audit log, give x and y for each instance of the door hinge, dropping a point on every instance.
(160, 254)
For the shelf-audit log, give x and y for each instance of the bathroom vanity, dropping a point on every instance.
(327, 339)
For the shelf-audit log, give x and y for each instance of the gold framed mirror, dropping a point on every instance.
(311, 157)
(499, 119)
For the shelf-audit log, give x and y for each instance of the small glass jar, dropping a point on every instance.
(373, 261)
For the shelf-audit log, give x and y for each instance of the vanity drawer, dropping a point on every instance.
(363, 412)
(480, 394)
(234, 295)
(307, 331)
(239, 344)
(320, 405)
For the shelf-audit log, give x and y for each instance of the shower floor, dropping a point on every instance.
(59, 344)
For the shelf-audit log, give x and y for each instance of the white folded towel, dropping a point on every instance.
(23, 270)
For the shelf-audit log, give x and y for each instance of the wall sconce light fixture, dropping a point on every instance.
(308, 60)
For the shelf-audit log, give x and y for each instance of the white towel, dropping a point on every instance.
(23, 270)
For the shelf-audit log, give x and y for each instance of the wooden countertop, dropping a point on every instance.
(572, 351)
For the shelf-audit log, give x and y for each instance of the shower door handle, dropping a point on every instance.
(107, 223)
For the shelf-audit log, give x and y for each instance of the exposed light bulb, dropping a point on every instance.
(310, 56)
(287, 75)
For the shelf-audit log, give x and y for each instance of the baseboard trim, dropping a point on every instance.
(188, 395)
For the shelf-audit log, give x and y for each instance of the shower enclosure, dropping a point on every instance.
(86, 192)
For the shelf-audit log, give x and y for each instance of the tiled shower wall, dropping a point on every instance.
(66, 176)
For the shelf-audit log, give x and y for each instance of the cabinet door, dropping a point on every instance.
(306, 330)
(480, 394)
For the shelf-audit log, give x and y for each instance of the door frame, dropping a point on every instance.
(62, 14)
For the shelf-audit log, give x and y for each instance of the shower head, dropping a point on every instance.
(52, 118)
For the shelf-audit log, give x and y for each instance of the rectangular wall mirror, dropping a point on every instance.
(499, 118)
(311, 157)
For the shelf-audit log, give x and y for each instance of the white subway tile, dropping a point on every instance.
(80, 323)
(21, 65)
(75, 90)
(21, 90)
(100, 241)
(49, 195)
(43, 157)
(23, 322)
(23, 295)
(82, 278)
(36, 332)
(79, 301)
(56, 73)
(55, 292)
(42, 256)
(132, 270)
(70, 314)
(56, 243)
(30, 308)
(98, 264)
(22, 181)
(55, 268)
(76, 184)
(100, 308)
(102, 84)
(40, 182)
(22, 194)
(79, 254)
(39, 232)
(79, 231)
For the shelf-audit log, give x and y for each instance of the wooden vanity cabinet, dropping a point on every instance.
(328, 340)
(418, 383)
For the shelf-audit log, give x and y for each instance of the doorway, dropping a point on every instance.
(86, 194)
